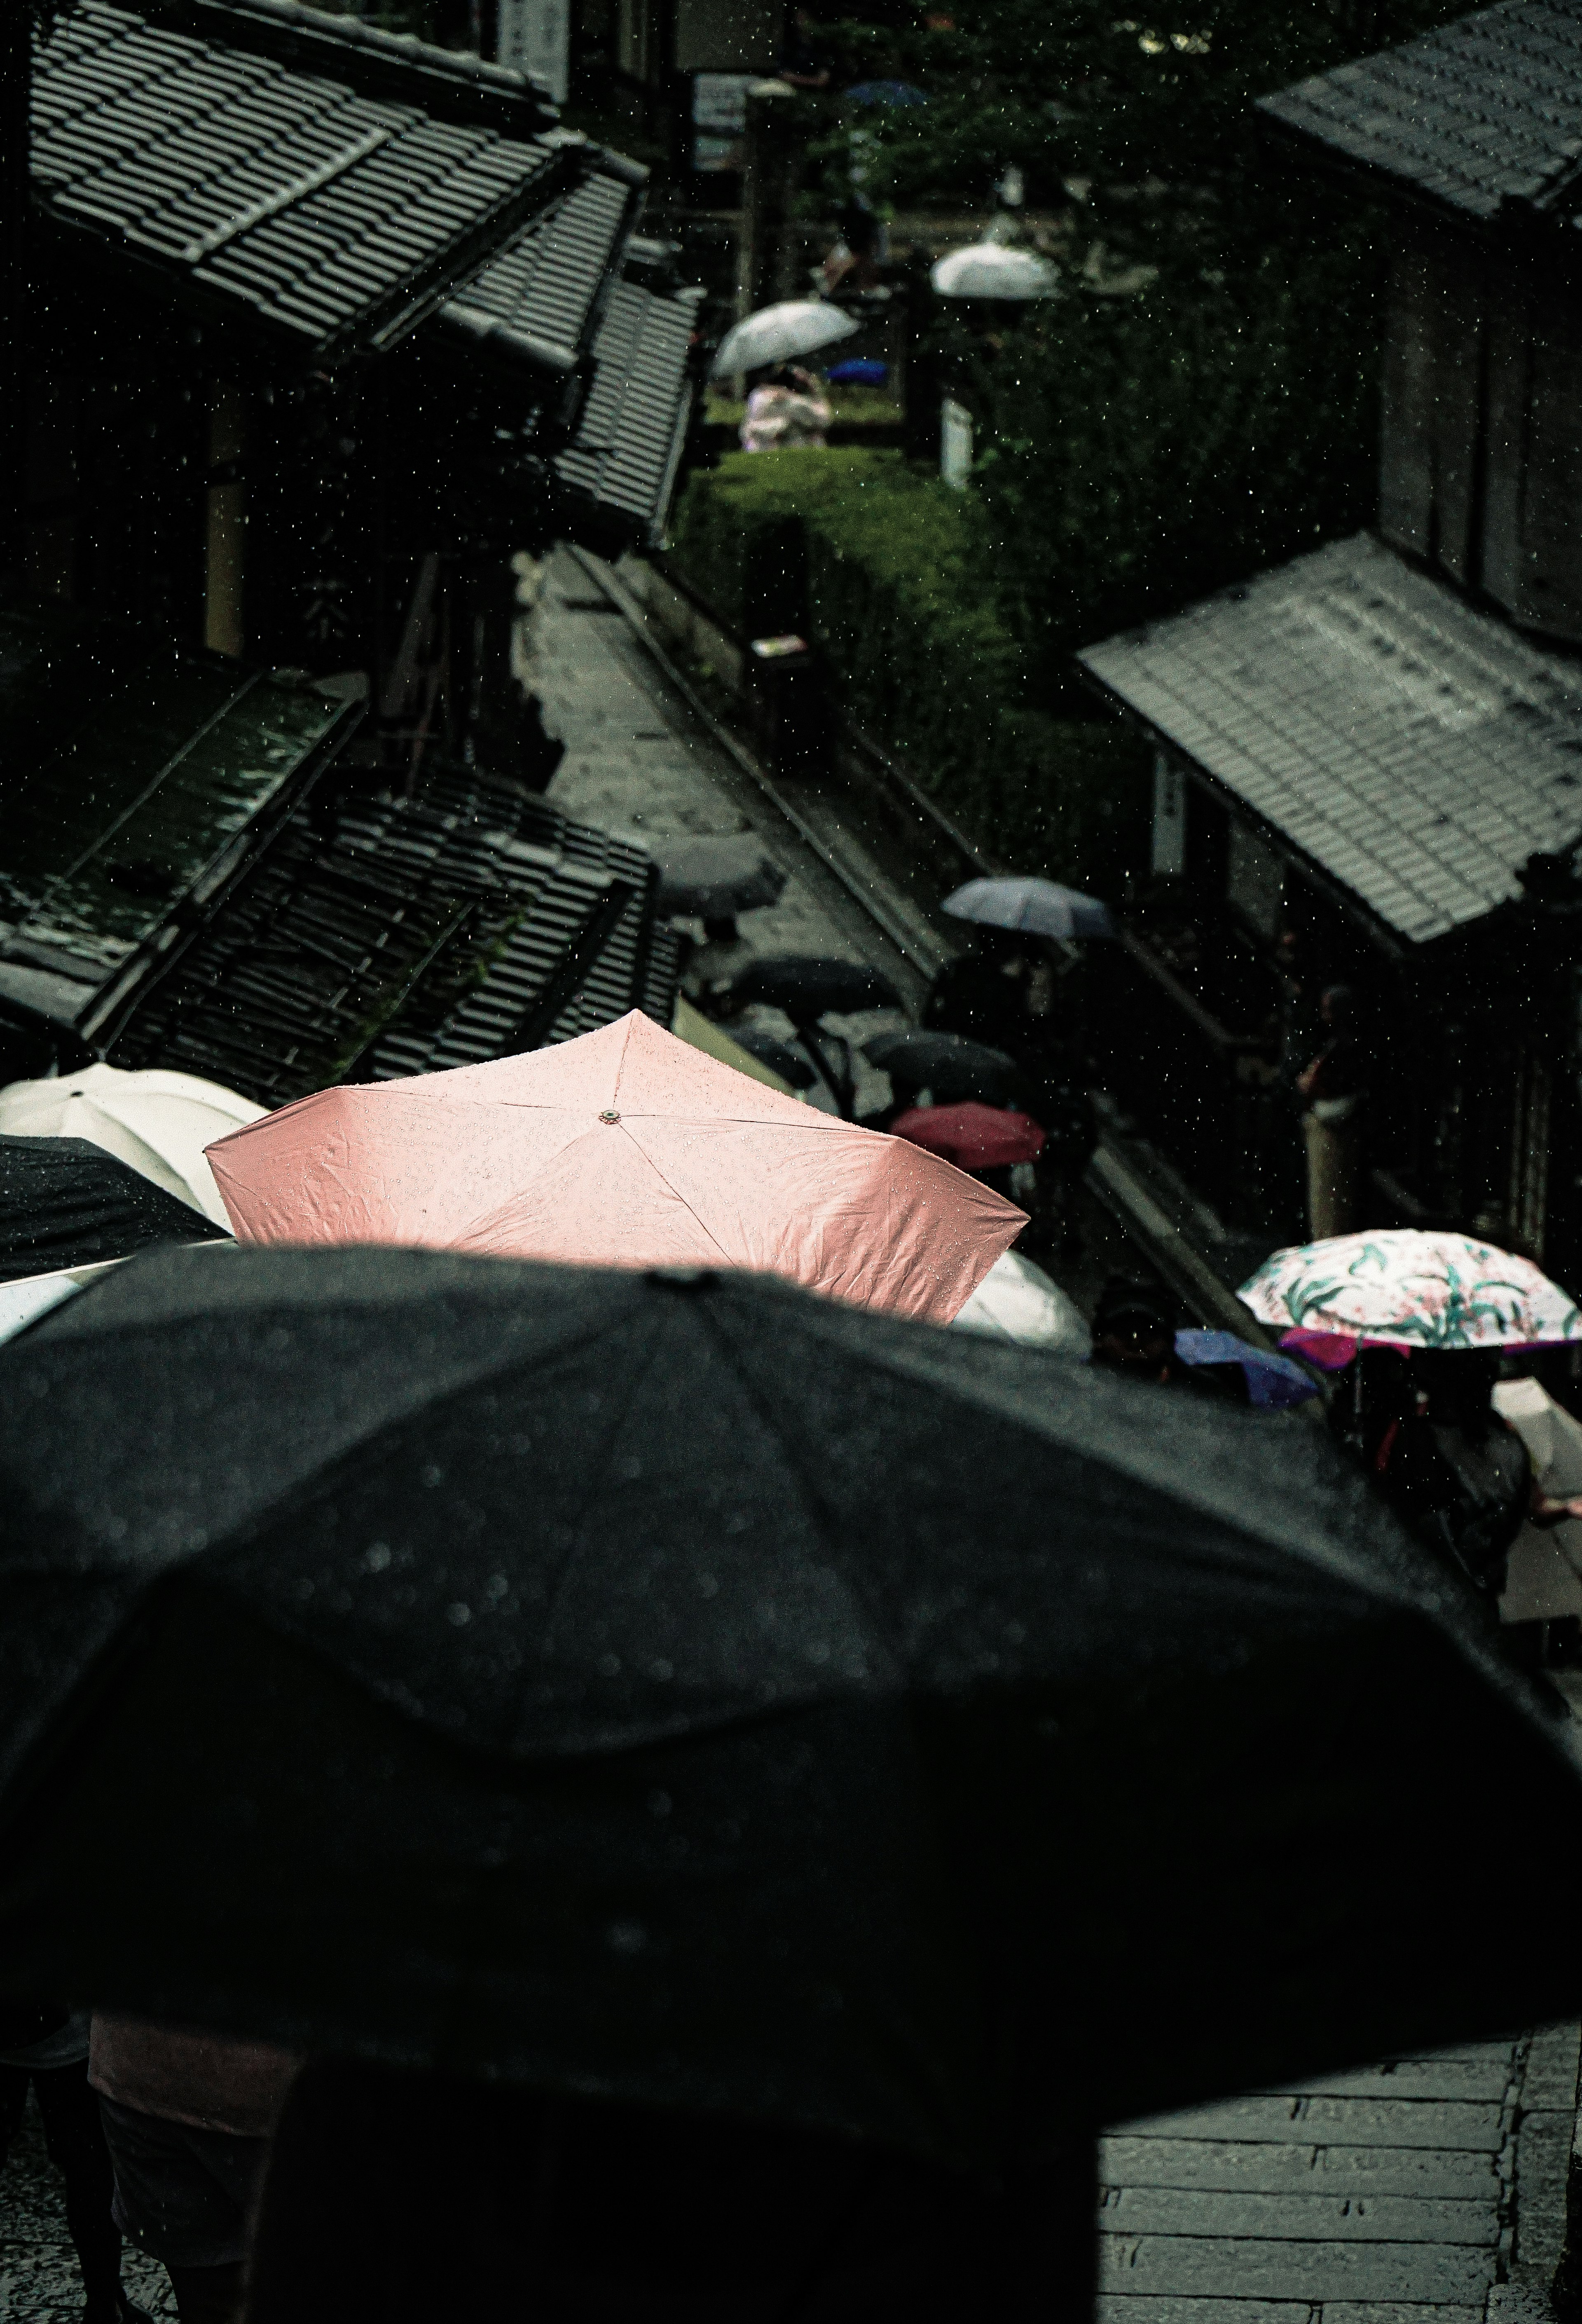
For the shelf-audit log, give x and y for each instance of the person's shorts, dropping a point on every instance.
(186, 2196)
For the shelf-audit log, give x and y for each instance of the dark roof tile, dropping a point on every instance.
(1487, 106)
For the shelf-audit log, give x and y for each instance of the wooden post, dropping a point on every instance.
(765, 193)
(16, 40)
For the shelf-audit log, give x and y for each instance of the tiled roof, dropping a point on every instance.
(289, 198)
(411, 935)
(1414, 749)
(618, 472)
(1487, 106)
(541, 298)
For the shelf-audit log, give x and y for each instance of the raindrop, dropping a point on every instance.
(304, 1588)
(459, 1614)
(660, 1803)
(626, 1937)
(376, 1557)
(431, 1473)
(608, 1665)
(496, 1588)
(660, 1668)
(707, 1587)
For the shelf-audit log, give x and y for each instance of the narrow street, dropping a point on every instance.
(1415, 2190)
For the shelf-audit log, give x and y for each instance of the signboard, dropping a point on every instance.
(955, 444)
(1170, 814)
(1256, 880)
(718, 119)
(535, 37)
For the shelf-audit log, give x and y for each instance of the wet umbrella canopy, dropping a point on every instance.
(689, 1690)
(948, 1064)
(807, 987)
(714, 878)
(65, 1203)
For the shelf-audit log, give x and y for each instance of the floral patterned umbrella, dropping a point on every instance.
(1406, 1288)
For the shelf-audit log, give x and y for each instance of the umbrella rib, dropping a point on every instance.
(827, 1517)
(557, 1587)
(701, 1225)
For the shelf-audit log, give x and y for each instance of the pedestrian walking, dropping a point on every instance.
(786, 411)
(981, 992)
(1330, 1088)
(186, 2118)
(45, 2047)
(1424, 1427)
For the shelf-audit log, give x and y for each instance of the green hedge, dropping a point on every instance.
(893, 573)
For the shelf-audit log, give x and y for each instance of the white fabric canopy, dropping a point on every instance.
(156, 1123)
(989, 270)
(1017, 1301)
(797, 327)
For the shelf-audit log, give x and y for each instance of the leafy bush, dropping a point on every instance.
(895, 577)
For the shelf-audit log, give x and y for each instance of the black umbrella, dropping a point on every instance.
(807, 989)
(64, 1202)
(778, 1056)
(953, 1067)
(690, 1692)
(714, 878)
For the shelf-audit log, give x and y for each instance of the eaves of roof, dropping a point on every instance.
(1468, 118)
(539, 300)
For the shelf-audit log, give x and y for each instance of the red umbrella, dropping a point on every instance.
(973, 1137)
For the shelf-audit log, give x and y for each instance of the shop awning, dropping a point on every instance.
(1414, 750)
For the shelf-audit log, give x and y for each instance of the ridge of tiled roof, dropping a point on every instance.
(1413, 749)
(375, 61)
(1485, 109)
(266, 194)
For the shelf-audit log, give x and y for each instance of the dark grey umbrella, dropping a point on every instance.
(714, 878)
(953, 1067)
(778, 1056)
(65, 1203)
(810, 987)
(685, 1690)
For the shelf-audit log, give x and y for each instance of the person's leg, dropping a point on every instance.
(186, 2196)
(13, 2105)
(208, 2295)
(75, 2145)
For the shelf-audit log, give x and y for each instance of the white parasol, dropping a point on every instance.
(799, 326)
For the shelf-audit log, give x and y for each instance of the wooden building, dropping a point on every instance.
(328, 325)
(1374, 755)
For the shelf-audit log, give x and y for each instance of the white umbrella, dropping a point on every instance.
(1017, 1301)
(157, 1122)
(1041, 907)
(774, 334)
(991, 270)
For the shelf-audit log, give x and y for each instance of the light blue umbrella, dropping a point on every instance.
(1273, 1382)
(1042, 907)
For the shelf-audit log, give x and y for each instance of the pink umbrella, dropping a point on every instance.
(625, 1148)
